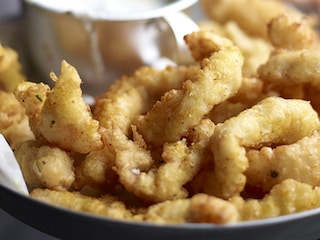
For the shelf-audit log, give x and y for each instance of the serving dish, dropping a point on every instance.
(67, 224)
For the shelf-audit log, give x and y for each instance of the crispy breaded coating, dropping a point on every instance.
(300, 161)
(154, 179)
(219, 78)
(107, 205)
(287, 122)
(96, 170)
(32, 97)
(10, 69)
(251, 15)
(295, 34)
(131, 96)
(45, 166)
(66, 120)
(200, 208)
(255, 50)
(60, 116)
(285, 68)
(14, 125)
(287, 197)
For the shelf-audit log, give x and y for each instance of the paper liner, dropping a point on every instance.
(10, 172)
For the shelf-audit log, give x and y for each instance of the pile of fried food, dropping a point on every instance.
(233, 137)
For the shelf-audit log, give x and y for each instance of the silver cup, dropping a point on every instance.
(102, 48)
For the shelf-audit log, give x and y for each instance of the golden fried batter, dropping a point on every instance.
(66, 119)
(251, 15)
(60, 116)
(14, 125)
(96, 170)
(288, 197)
(134, 95)
(44, 166)
(287, 33)
(10, 69)
(286, 122)
(200, 208)
(180, 110)
(141, 174)
(255, 50)
(32, 97)
(107, 206)
(286, 68)
(299, 161)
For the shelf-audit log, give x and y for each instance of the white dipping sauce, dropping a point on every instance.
(101, 8)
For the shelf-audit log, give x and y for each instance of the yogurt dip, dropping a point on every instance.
(110, 9)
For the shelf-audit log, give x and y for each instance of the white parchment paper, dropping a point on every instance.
(10, 173)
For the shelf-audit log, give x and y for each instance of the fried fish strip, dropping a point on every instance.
(251, 15)
(10, 69)
(287, 197)
(218, 79)
(108, 206)
(96, 170)
(119, 107)
(294, 34)
(44, 166)
(60, 116)
(298, 161)
(200, 208)
(286, 67)
(134, 95)
(66, 119)
(14, 125)
(286, 122)
(141, 174)
(32, 97)
(250, 93)
(255, 50)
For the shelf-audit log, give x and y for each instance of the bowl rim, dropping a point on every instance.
(243, 224)
(71, 224)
